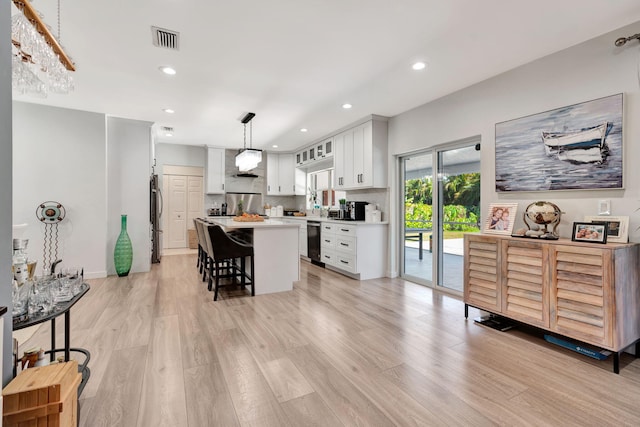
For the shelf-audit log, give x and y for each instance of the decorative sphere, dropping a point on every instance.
(543, 213)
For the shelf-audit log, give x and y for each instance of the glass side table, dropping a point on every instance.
(59, 309)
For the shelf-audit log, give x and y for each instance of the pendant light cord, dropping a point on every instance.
(245, 136)
(250, 135)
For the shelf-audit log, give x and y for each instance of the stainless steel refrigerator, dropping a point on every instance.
(155, 212)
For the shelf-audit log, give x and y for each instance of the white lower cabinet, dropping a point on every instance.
(357, 249)
(327, 243)
(303, 239)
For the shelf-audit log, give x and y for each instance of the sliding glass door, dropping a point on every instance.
(418, 218)
(458, 210)
(437, 216)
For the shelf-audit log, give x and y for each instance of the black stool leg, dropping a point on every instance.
(253, 279)
(215, 293)
(243, 272)
(210, 270)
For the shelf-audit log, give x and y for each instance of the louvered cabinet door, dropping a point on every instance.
(525, 286)
(481, 272)
(581, 293)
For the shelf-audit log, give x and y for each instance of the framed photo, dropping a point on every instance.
(576, 147)
(500, 218)
(591, 232)
(617, 226)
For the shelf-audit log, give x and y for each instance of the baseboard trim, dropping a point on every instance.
(95, 275)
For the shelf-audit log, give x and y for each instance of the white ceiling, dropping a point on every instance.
(295, 62)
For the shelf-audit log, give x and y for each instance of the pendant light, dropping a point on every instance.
(248, 158)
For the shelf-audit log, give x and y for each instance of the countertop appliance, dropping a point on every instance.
(356, 210)
(155, 215)
(214, 211)
(313, 242)
(251, 203)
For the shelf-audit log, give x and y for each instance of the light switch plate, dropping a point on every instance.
(604, 207)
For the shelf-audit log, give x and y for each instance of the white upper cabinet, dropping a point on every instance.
(327, 148)
(286, 174)
(343, 159)
(215, 170)
(360, 158)
(302, 157)
(315, 153)
(282, 177)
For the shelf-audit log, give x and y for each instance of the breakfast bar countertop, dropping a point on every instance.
(229, 223)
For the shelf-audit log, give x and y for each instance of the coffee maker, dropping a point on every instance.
(356, 210)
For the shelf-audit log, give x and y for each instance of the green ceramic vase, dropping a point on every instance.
(123, 252)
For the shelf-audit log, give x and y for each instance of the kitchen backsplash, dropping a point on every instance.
(375, 196)
(287, 202)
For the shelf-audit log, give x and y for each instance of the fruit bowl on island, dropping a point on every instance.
(245, 217)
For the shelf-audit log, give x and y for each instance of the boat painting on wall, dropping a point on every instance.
(577, 147)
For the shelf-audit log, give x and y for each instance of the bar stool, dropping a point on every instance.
(199, 259)
(203, 252)
(224, 253)
(210, 271)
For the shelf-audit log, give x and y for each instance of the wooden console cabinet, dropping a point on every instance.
(579, 290)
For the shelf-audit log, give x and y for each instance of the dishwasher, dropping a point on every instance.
(313, 242)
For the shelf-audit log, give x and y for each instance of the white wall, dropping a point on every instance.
(179, 155)
(128, 172)
(590, 70)
(5, 188)
(59, 155)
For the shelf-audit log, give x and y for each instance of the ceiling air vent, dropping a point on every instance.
(166, 129)
(165, 38)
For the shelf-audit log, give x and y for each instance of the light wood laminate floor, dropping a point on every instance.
(332, 352)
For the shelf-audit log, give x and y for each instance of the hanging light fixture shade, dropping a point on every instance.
(248, 158)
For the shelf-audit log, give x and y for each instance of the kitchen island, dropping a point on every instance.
(275, 249)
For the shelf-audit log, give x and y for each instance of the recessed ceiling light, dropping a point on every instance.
(419, 66)
(274, 146)
(168, 110)
(303, 130)
(346, 106)
(168, 70)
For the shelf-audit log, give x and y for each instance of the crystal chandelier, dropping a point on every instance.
(248, 158)
(39, 64)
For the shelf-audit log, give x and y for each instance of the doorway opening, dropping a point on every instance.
(183, 189)
(441, 201)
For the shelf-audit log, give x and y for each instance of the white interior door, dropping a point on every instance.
(194, 203)
(177, 211)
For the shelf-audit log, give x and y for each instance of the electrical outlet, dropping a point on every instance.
(604, 207)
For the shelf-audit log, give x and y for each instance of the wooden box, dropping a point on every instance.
(43, 396)
(193, 239)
